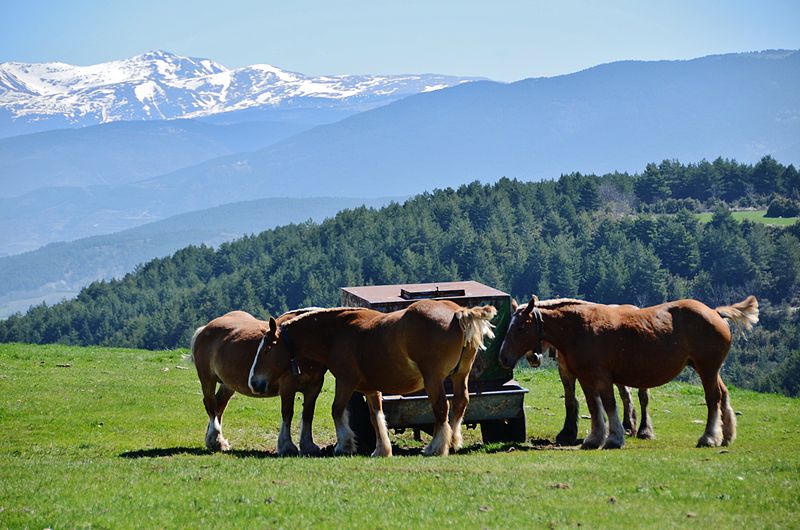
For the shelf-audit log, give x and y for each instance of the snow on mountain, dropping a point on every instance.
(162, 85)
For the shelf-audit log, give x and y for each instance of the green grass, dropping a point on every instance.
(755, 216)
(115, 440)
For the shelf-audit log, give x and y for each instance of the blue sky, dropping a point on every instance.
(503, 40)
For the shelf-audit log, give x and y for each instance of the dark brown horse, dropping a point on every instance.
(399, 353)
(223, 352)
(641, 348)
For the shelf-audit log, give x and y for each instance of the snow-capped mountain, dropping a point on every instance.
(162, 85)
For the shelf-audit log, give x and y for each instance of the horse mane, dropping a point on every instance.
(558, 303)
(317, 311)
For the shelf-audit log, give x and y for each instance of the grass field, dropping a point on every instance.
(109, 438)
(756, 216)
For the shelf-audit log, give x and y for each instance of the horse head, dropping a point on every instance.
(265, 368)
(526, 329)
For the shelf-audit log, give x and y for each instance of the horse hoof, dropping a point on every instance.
(646, 435)
(707, 441)
(566, 439)
(311, 450)
(612, 444)
(591, 444)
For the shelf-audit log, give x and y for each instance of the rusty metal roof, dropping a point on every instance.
(391, 293)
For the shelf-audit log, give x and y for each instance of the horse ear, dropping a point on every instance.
(531, 304)
(514, 305)
(273, 326)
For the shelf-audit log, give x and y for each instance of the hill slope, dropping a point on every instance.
(60, 270)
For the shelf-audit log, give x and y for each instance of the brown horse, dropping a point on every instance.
(642, 348)
(223, 352)
(399, 353)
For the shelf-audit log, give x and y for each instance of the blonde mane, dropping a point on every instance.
(317, 312)
(557, 303)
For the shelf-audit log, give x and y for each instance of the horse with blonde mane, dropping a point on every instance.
(642, 348)
(223, 352)
(372, 352)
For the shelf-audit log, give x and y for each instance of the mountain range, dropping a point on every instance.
(159, 85)
(260, 132)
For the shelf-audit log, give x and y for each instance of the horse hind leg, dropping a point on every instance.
(712, 437)
(383, 447)
(628, 410)
(460, 398)
(569, 432)
(728, 416)
(442, 433)
(215, 407)
(645, 431)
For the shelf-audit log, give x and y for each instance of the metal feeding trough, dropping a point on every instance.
(496, 400)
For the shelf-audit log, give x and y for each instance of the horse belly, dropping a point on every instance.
(392, 377)
(647, 372)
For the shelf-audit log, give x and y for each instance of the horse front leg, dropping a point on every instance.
(628, 410)
(345, 437)
(569, 432)
(286, 446)
(597, 434)
(215, 406)
(310, 395)
(383, 447)
(442, 433)
(645, 431)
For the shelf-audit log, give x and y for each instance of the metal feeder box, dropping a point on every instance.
(496, 400)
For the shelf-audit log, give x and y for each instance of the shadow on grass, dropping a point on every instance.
(327, 452)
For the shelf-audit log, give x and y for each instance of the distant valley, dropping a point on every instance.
(60, 270)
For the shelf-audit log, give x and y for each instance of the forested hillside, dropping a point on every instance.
(612, 238)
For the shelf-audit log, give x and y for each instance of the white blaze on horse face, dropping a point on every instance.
(255, 361)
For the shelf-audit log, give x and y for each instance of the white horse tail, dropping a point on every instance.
(474, 322)
(743, 315)
(194, 339)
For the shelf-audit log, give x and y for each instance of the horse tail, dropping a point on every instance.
(191, 343)
(474, 322)
(743, 315)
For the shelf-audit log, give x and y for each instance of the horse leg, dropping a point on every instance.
(215, 405)
(569, 432)
(645, 431)
(442, 433)
(345, 437)
(460, 398)
(286, 446)
(383, 447)
(712, 437)
(728, 416)
(310, 395)
(616, 431)
(628, 410)
(598, 433)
